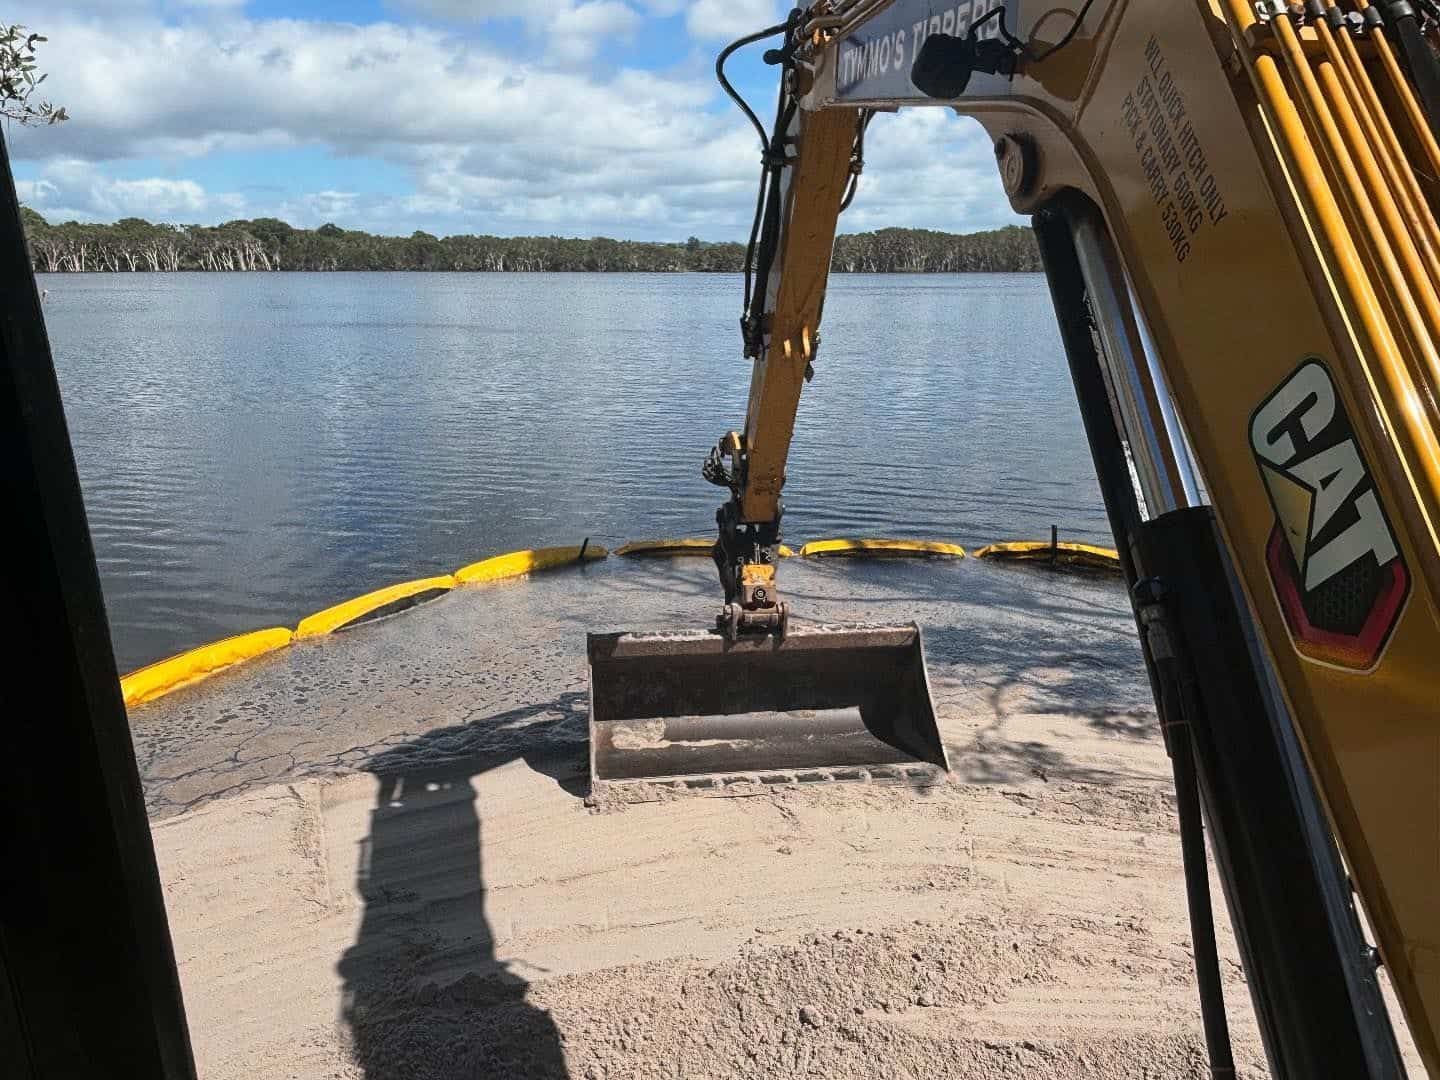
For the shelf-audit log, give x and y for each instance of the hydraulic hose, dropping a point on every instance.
(1178, 708)
(1387, 144)
(1419, 124)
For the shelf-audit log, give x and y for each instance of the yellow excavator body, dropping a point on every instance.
(1237, 205)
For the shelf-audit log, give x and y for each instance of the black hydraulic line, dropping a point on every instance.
(1311, 980)
(88, 983)
(760, 257)
(772, 161)
(857, 159)
(1202, 916)
(1177, 706)
(1316, 997)
(730, 50)
(760, 195)
(1068, 36)
(1417, 56)
(1022, 50)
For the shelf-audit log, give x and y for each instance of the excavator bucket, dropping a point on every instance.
(693, 710)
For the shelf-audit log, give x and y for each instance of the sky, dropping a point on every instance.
(509, 117)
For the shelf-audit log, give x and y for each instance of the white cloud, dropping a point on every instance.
(74, 189)
(34, 192)
(729, 19)
(479, 10)
(928, 168)
(578, 32)
(317, 207)
(707, 20)
(569, 30)
(138, 87)
(112, 8)
(600, 17)
(491, 142)
(98, 7)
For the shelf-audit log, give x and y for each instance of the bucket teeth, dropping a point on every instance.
(693, 711)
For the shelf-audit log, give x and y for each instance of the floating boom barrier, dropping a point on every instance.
(194, 665)
(170, 674)
(372, 604)
(189, 667)
(1054, 553)
(882, 549)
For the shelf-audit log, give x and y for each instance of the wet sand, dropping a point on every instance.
(379, 861)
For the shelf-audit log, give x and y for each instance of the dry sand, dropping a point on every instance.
(379, 862)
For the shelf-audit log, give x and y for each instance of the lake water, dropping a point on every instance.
(254, 447)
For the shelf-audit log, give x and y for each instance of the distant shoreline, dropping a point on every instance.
(535, 273)
(265, 245)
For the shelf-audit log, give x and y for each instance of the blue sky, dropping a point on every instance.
(569, 117)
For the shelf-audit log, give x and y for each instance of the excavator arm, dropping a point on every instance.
(1236, 205)
(782, 332)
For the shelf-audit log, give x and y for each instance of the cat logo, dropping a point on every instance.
(1337, 570)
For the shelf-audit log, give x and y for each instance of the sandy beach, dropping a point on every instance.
(379, 861)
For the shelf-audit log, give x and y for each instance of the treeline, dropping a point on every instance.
(133, 245)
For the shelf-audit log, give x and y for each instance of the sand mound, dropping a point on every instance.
(380, 865)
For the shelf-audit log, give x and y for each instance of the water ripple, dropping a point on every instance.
(240, 473)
